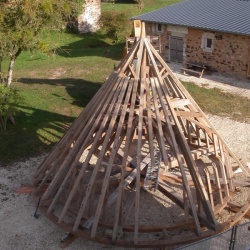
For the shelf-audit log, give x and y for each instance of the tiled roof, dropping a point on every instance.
(232, 16)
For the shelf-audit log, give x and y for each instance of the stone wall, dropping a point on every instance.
(89, 20)
(164, 38)
(229, 53)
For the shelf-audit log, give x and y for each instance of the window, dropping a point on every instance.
(159, 27)
(207, 41)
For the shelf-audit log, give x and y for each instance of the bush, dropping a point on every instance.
(114, 24)
(8, 104)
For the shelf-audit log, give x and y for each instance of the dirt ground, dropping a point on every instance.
(20, 230)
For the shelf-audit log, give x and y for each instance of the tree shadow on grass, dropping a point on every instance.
(126, 1)
(92, 45)
(80, 91)
(37, 130)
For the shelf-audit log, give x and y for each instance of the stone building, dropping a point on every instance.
(212, 33)
(89, 20)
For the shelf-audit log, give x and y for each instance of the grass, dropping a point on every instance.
(149, 5)
(55, 90)
(130, 9)
(216, 102)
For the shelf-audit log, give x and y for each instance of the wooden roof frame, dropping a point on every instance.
(93, 177)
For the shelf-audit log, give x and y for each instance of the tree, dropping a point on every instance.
(114, 23)
(8, 105)
(22, 21)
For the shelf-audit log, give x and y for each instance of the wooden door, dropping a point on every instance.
(176, 49)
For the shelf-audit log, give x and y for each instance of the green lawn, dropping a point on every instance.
(149, 5)
(216, 102)
(55, 89)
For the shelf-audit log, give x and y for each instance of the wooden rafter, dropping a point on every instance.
(93, 177)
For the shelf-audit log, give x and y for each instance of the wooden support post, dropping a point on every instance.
(126, 151)
(138, 180)
(209, 188)
(217, 182)
(113, 153)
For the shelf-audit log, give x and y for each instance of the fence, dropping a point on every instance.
(235, 238)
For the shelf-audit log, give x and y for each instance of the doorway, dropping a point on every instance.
(176, 49)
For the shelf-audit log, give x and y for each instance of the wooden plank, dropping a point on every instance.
(114, 150)
(181, 120)
(88, 133)
(199, 73)
(223, 175)
(217, 182)
(190, 158)
(202, 194)
(186, 205)
(110, 104)
(188, 114)
(132, 71)
(149, 121)
(240, 183)
(197, 131)
(188, 96)
(210, 192)
(196, 178)
(229, 171)
(120, 190)
(139, 59)
(78, 124)
(189, 132)
(207, 140)
(175, 91)
(131, 177)
(67, 240)
(177, 152)
(158, 119)
(176, 178)
(122, 67)
(117, 101)
(127, 243)
(162, 71)
(236, 208)
(73, 133)
(219, 207)
(138, 162)
(239, 215)
(207, 129)
(176, 149)
(181, 104)
(178, 199)
(144, 67)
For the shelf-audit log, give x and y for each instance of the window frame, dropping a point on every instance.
(207, 39)
(161, 27)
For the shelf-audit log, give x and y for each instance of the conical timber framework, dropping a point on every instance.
(141, 131)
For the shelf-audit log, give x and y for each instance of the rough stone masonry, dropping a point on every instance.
(89, 20)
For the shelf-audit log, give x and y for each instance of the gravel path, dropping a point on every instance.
(238, 86)
(20, 230)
